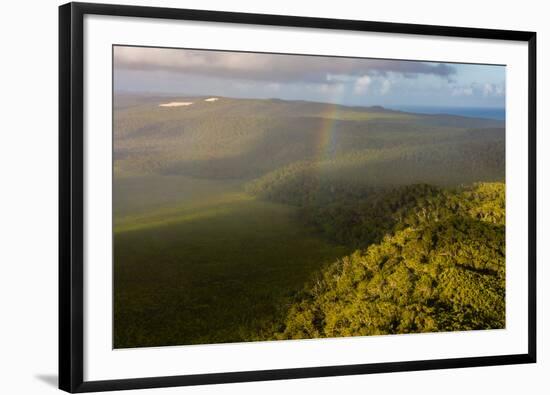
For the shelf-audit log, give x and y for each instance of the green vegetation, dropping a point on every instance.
(441, 269)
(242, 220)
(214, 272)
(245, 139)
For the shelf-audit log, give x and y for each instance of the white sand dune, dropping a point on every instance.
(176, 104)
(210, 99)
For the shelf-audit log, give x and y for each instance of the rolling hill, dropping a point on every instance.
(441, 268)
(245, 139)
(251, 220)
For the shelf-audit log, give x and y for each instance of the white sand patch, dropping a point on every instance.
(212, 99)
(176, 104)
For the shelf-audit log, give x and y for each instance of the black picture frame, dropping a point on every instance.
(71, 204)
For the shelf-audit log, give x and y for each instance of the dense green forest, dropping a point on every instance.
(434, 262)
(242, 219)
(245, 139)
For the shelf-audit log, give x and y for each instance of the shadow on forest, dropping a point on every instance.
(215, 279)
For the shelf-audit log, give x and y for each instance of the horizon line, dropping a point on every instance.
(385, 106)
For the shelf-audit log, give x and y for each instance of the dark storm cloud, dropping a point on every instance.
(269, 67)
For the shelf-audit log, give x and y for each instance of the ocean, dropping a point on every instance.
(473, 112)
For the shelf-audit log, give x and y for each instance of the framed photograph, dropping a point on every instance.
(251, 197)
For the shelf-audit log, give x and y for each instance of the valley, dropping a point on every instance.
(262, 219)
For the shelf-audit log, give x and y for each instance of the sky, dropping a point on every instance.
(348, 81)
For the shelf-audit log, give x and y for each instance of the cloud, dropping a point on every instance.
(362, 84)
(330, 89)
(479, 89)
(269, 67)
(492, 90)
(462, 91)
(385, 87)
(273, 86)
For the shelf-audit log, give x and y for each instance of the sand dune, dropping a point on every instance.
(176, 104)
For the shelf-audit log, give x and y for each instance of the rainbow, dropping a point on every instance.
(327, 138)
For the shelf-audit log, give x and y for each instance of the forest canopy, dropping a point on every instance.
(440, 268)
(248, 219)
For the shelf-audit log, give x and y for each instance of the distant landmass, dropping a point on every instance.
(473, 112)
(246, 138)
